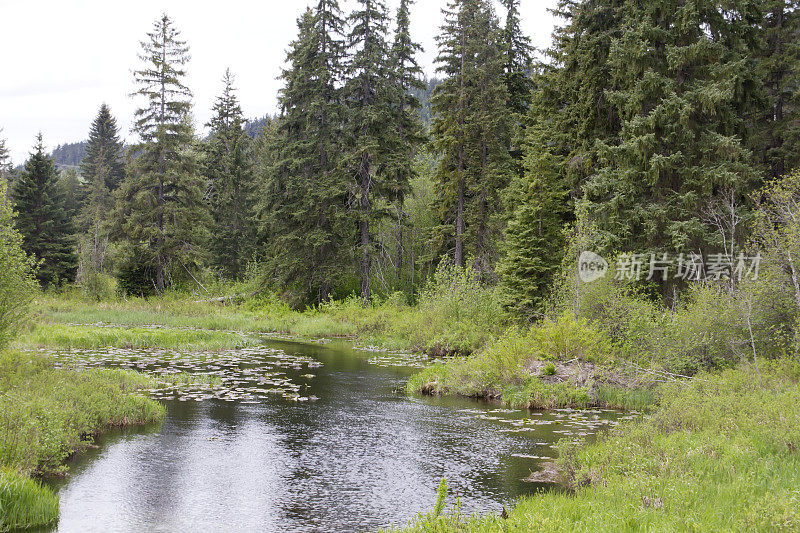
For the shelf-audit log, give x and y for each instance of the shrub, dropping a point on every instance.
(17, 282)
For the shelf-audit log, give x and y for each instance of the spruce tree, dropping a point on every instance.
(5, 162)
(160, 207)
(407, 79)
(775, 131)
(103, 159)
(371, 126)
(228, 169)
(42, 220)
(471, 130)
(534, 238)
(303, 210)
(517, 50)
(103, 171)
(680, 77)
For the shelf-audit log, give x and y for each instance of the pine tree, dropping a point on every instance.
(231, 187)
(103, 159)
(160, 207)
(776, 139)
(46, 230)
(680, 76)
(5, 162)
(103, 171)
(303, 209)
(471, 129)
(534, 238)
(371, 126)
(407, 79)
(517, 50)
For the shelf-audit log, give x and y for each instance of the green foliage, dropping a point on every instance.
(231, 186)
(47, 414)
(42, 219)
(24, 502)
(303, 214)
(160, 214)
(471, 129)
(88, 337)
(680, 136)
(17, 282)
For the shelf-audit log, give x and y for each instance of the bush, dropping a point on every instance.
(17, 282)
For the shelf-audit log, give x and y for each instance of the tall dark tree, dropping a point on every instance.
(103, 159)
(42, 220)
(5, 162)
(517, 50)
(103, 171)
(303, 209)
(229, 171)
(680, 79)
(471, 129)
(371, 126)
(776, 139)
(410, 134)
(161, 211)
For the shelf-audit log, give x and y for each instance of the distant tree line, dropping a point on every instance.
(638, 119)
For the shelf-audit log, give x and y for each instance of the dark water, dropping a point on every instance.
(361, 457)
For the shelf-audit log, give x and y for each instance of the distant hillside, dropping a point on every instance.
(69, 154)
(253, 127)
(424, 97)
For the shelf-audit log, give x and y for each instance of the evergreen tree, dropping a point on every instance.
(72, 190)
(103, 159)
(160, 210)
(371, 126)
(680, 76)
(231, 188)
(471, 129)
(5, 162)
(303, 208)
(103, 171)
(517, 50)
(407, 78)
(42, 220)
(534, 239)
(776, 138)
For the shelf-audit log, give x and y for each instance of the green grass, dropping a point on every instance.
(48, 414)
(720, 453)
(91, 337)
(25, 503)
(502, 370)
(440, 325)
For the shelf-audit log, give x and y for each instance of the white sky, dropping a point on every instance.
(60, 60)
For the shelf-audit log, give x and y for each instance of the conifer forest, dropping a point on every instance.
(490, 286)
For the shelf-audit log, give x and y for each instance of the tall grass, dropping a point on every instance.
(48, 414)
(90, 337)
(24, 502)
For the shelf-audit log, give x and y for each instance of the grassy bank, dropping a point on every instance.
(720, 453)
(89, 337)
(454, 315)
(566, 362)
(46, 415)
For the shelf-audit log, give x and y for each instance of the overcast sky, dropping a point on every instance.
(61, 60)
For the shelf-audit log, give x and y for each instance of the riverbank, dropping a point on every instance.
(47, 415)
(566, 362)
(719, 453)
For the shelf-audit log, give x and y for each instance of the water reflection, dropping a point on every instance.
(361, 457)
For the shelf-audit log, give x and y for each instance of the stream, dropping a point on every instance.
(303, 437)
